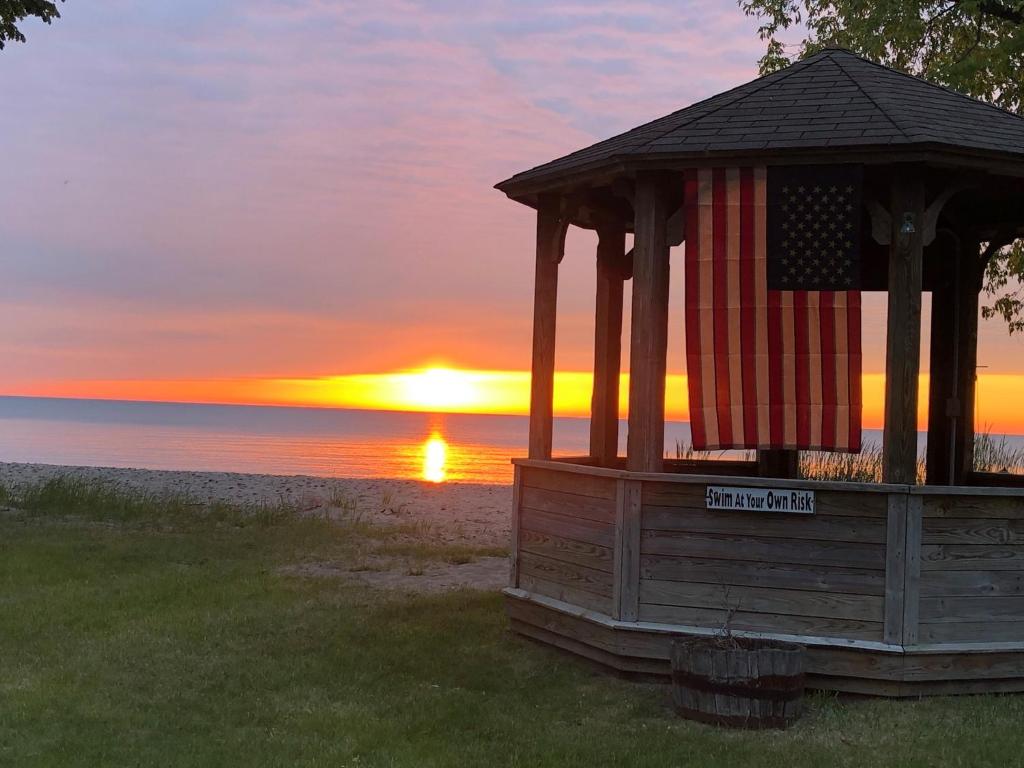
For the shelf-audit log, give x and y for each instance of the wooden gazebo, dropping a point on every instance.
(896, 588)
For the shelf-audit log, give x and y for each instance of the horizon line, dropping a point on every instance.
(989, 430)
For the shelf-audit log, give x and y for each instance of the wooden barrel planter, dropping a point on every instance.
(738, 682)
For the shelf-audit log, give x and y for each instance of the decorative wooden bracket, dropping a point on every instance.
(881, 219)
(675, 227)
(624, 188)
(931, 213)
(627, 265)
(558, 244)
(622, 263)
(675, 234)
(568, 208)
(881, 222)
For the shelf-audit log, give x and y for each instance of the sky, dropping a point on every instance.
(278, 201)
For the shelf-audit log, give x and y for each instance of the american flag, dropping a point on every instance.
(773, 337)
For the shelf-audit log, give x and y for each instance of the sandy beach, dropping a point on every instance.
(465, 514)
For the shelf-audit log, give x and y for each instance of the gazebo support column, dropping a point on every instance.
(550, 246)
(954, 352)
(942, 379)
(903, 343)
(645, 450)
(778, 462)
(604, 403)
(971, 273)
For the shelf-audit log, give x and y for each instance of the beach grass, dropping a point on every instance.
(991, 454)
(996, 454)
(141, 630)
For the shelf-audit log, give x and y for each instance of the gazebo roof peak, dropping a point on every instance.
(832, 101)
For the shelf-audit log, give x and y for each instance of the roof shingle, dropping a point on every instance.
(831, 99)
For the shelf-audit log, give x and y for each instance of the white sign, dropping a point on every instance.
(759, 499)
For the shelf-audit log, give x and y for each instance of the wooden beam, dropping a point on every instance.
(778, 462)
(551, 226)
(517, 495)
(969, 278)
(626, 565)
(645, 449)
(912, 572)
(971, 264)
(903, 344)
(942, 367)
(604, 403)
(895, 568)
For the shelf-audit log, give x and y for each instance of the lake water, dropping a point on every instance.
(262, 439)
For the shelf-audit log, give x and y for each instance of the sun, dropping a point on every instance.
(440, 389)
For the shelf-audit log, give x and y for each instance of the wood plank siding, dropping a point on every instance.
(566, 534)
(818, 575)
(972, 569)
(895, 590)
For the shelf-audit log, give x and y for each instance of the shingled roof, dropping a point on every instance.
(833, 99)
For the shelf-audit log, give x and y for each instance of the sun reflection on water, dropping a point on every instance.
(435, 459)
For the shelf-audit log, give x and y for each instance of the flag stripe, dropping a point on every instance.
(795, 322)
(854, 357)
(721, 305)
(692, 288)
(763, 398)
(814, 368)
(828, 370)
(842, 371)
(748, 306)
(788, 370)
(776, 386)
(734, 308)
(709, 412)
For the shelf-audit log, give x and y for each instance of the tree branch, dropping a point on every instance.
(1001, 11)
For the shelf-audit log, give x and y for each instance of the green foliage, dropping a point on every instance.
(14, 11)
(1003, 283)
(975, 47)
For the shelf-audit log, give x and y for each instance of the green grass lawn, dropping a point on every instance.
(149, 633)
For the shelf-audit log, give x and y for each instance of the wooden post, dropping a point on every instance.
(903, 569)
(969, 279)
(550, 246)
(912, 569)
(626, 563)
(954, 359)
(903, 343)
(942, 375)
(517, 492)
(895, 568)
(778, 462)
(604, 403)
(645, 449)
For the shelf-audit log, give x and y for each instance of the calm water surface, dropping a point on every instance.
(260, 439)
(231, 438)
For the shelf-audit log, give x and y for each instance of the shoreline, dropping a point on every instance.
(473, 514)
